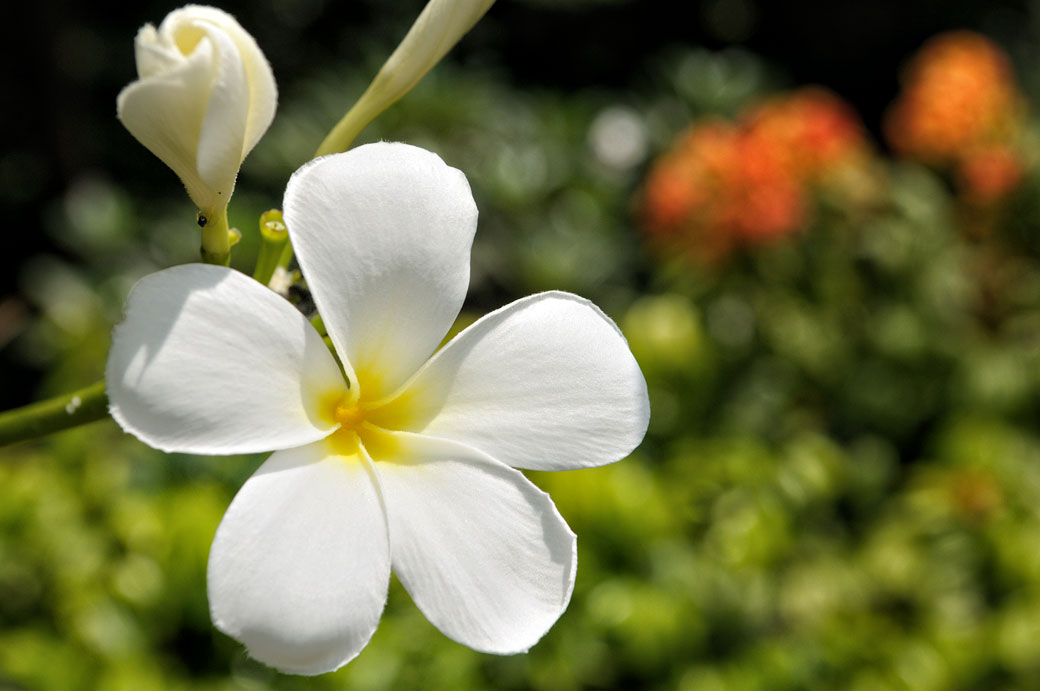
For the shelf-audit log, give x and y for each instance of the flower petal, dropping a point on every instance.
(263, 92)
(205, 96)
(165, 110)
(223, 131)
(547, 382)
(208, 361)
(152, 55)
(383, 235)
(482, 551)
(300, 565)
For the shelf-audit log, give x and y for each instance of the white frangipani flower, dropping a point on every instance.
(401, 460)
(204, 97)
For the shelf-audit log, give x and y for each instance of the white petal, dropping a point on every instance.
(152, 55)
(208, 361)
(547, 382)
(383, 235)
(164, 112)
(205, 96)
(263, 92)
(482, 551)
(299, 567)
(223, 131)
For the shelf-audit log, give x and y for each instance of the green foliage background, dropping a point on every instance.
(840, 488)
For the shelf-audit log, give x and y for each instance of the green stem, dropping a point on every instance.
(439, 27)
(349, 127)
(287, 255)
(89, 404)
(216, 237)
(273, 242)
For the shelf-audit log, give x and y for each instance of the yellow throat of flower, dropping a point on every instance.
(349, 416)
(367, 422)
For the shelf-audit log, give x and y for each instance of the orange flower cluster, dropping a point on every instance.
(726, 184)
(814, 130)
(961, 109)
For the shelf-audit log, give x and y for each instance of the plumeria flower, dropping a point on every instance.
(204, 97)
(390, 458)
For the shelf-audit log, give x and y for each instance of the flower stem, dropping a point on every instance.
(438, 27)
(274, 240)
(348, 128)
(61, 412)
(216, 237)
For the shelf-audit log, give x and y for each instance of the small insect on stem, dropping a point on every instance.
(202, 220)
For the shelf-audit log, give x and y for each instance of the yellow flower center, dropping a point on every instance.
(367, 423)
(349, 417)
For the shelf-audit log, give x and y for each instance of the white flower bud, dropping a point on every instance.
(440, 25)
(204, 97)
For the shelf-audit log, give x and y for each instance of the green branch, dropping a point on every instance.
(89, 404)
